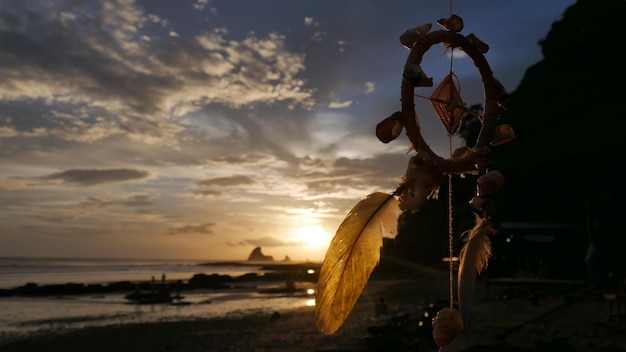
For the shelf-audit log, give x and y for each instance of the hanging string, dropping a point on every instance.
(450, 219)
(450, 241)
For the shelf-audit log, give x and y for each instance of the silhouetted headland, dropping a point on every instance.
(276, 271)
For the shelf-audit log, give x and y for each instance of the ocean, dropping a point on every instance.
(16, 272)
(63, 312)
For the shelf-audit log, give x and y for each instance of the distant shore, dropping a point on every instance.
(271, 271)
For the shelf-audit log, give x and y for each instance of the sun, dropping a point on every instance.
(312, 236)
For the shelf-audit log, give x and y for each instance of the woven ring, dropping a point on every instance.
(476, 157)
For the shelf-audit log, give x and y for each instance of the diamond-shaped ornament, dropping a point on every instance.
(446, 100)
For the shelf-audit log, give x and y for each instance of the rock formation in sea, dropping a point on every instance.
(258, 256)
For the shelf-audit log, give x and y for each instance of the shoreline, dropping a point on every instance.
(572, 321)
(503, 320)
(286, 330)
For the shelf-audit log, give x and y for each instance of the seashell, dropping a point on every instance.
(502, 134)
(479, 44)
(462, 153)
(489, 183)
(390, 128)
(481, 159)
(453, 24)
(446, 326)
(417, 77)
(410, 36)
(424, 29)
(478, 202)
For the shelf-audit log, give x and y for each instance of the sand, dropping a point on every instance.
(574, 321)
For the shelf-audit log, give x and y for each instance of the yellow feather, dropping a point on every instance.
(351, 257)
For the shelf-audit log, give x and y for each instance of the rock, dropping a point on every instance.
(214, 281)
(258, 256)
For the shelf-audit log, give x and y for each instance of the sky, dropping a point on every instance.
(200, 129)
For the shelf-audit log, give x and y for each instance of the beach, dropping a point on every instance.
(261, 330)
(572, 320)
(70, 294)
(292, 331)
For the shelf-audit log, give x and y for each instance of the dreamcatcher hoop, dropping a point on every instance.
(474, 48)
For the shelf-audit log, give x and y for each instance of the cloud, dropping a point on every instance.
(227, 181)
(53, 219)
(204, 229)
(208, 193)
(266, 242)
(200, 4)
(310, 22)
(63, 232)
(370, 87)
(140, 200)
(318, 36)
(116, 83)
(244, 159)
(7, 132)
(340, 104)
(342, 45)
(91, 177)
(338, 179)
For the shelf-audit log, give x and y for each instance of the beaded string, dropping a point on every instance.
(450, 220)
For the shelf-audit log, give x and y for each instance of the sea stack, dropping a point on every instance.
(258, 256)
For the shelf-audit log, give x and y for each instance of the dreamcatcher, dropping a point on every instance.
(355, 249)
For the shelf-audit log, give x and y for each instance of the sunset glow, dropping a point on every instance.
(204, 129)
(313, 236)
